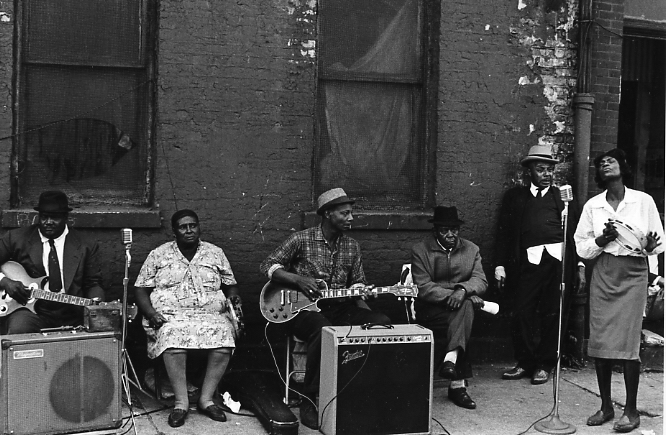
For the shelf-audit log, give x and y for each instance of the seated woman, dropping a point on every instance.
(181, 291)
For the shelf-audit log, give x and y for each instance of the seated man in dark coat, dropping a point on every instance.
(447, 269)
(50, 248)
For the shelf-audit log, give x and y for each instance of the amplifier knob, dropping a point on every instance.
(401, 338)
(409, 338)
(390, 339)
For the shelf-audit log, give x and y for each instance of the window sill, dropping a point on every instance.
(379, 220)
(90, 218)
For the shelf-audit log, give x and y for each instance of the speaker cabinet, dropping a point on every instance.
(376, 381)
(59, 382)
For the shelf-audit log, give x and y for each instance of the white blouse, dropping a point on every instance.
(636, 209)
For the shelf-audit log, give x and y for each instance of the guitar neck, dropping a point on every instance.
(61, 297)
(348, 292)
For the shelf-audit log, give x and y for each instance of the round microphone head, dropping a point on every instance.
(566, 193)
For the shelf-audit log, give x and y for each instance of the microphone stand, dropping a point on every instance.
(552, 424)
(125, 359)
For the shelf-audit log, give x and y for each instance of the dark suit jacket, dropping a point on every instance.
(511, 218)
(81, 265)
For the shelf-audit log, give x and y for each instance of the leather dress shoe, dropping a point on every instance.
(177, 417)
(600, 418)
(308, 413)
(214, 412)
(540, 376)
(515, 373)
(626, 424)
(460, 397)
(448, 370)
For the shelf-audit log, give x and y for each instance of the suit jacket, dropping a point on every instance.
(511, 220)
(81, 266)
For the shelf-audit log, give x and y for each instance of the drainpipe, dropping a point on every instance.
(583, 103)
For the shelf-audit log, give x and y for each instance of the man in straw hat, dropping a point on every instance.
(448, 272)
(529, 263)
(50, 248)
(324, 253)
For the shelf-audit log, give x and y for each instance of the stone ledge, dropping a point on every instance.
(379, 220)
(90, 218)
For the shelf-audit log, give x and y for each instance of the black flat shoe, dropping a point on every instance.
(308, 414)
(600, 418)
(214, 412)
(515, 373)
(626, 424)
(448, 370)
(460, 397)
(177, 417)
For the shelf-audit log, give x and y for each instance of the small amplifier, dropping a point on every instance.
(376, 381)
(59, 382)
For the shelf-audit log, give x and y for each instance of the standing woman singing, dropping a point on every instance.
(618, 288)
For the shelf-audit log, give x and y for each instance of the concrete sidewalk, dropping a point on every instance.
(503, 407)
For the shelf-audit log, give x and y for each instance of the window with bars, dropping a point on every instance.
(85, 100)
(374, 71)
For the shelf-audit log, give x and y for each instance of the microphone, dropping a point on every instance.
(566, 193)
(126, 234)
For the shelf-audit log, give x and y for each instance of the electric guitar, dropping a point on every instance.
(280, 303)
(38, 288)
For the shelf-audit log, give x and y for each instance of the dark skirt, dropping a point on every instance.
(618, 292)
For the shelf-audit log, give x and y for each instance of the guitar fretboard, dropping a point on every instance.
(61, 297)
(347, 292)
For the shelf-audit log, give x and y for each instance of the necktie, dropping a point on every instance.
(55, 281)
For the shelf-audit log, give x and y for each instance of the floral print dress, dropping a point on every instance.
(188, 295)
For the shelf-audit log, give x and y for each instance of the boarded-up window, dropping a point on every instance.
(370, 102)
(85, 100)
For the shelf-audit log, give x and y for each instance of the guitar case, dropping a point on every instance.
(261, 392)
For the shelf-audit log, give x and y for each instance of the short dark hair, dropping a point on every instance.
(621, 157)
(181, 214)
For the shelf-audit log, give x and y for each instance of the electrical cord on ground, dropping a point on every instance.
(446, 432)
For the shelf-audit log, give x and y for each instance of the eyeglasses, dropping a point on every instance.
(445, 230)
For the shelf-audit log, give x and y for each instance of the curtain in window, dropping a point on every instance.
(370, 125)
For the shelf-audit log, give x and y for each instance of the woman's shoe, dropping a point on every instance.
(600, 418)
(626, 424)
(177, 417)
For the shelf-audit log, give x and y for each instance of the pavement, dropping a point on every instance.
(503, 407)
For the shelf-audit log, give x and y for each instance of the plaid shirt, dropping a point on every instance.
(306, 253)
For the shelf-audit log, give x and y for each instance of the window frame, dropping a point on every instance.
(427, 134)
(149, 28)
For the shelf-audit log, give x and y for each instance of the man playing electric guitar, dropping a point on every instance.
(50, 248)
(325, 253)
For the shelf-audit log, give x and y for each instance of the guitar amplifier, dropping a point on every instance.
(59, 382)
(376, 381)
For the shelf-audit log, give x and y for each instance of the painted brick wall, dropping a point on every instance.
(606, 66)
(235, 132)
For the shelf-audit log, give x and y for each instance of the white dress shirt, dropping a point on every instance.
(534, 253)
(636, 209)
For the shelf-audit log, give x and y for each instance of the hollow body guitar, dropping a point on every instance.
(39, 290)
(280, 303)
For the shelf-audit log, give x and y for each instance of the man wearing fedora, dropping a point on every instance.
(323, 253)
(447, 270)
(50, 248)
(529, 263)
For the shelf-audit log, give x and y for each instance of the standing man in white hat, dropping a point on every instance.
(324, 253)
(529, 263)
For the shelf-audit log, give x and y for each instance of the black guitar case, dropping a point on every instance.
(261, 392)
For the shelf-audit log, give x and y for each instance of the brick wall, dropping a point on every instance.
(606, 66)
(235, 131)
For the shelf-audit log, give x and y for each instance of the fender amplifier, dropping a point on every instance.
(376, 380)
(59, 382)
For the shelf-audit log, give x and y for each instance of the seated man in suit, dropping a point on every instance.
(447, 270)
(50, 248)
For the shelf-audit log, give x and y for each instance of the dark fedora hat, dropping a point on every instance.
(53, 201)
(446, 216)
(332, 198)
